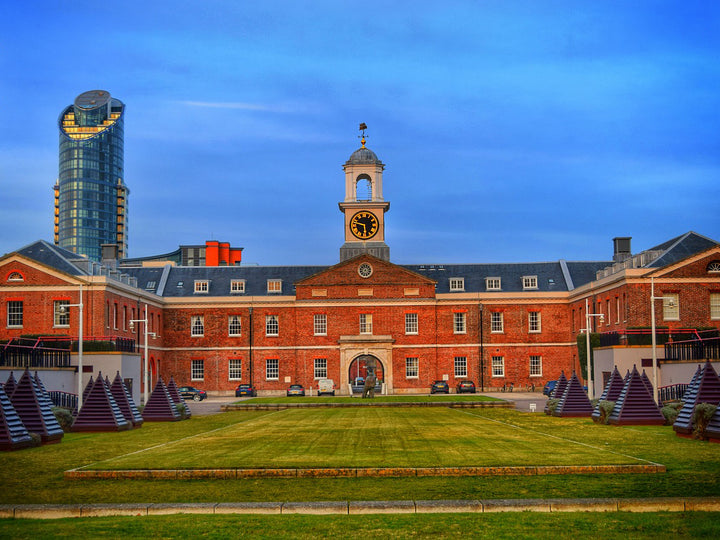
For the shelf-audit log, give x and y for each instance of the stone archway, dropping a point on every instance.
(353, 347)
(359, 368)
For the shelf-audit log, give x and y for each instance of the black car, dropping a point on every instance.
(190, 392)
(245, 390)
(440, 386)
(466, 386)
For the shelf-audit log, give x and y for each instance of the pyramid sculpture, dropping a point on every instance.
(10, 385)
(41, 387)
(612, 391)
(647, 383)
(705, 389)
(99, 411)
(176, 397)
(713, 429)
(125, 401)
(35, 410)
(13, 434)
(160, 407)
(636, 406)
(574, 401)
(557, 391)
(693, 382)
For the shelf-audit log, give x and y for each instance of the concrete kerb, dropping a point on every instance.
(661, 504)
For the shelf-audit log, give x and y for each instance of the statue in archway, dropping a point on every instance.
(370, 379)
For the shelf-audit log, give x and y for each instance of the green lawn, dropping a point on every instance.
(495, 526)
(375, 437)
(693, 467)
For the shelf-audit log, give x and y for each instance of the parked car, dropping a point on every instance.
(296, 390)
(245, 390)
(190, 392)
(440, 386)
(326, 386)
(466, 386)
(549, 387)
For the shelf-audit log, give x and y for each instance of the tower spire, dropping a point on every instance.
(363, 127)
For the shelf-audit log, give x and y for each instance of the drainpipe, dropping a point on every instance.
(250, 354)
(482, 352)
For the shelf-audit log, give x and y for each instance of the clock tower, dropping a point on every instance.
(364, 208)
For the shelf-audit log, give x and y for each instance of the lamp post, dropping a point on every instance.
(653, 298)
(482, 352)
(80, 345)
(591, 387)
(145, 360)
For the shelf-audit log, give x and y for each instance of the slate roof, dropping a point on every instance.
(178, 281)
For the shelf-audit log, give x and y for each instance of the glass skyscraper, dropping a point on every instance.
(91, 198)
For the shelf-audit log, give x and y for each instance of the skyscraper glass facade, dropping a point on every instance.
(91, 198)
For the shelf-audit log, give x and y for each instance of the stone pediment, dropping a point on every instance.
(365, 276)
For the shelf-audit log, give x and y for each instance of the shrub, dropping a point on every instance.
(64, 418)
(670, 413)
(606, 408)
(701, 417)
(35, 440)
(552, 405)
(182, 409)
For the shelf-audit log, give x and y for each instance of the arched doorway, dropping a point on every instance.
(359, 369)
(153, 372)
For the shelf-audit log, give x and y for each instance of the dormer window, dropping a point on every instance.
(237, 286)
(202, 286)
(274, 285)
(529, 282)
(457, 284)
(493, 284)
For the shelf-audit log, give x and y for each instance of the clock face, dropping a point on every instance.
(364, 225)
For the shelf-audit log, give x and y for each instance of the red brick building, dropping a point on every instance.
(498, 324)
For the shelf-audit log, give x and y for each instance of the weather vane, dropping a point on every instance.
(363, 127)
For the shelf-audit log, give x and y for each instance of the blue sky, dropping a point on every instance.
(511, 131)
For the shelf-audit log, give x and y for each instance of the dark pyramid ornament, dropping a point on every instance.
(10, 385)
(176, 397)
(706, 389)
(42, 388)
(13, 434)
(574, 401)
(647, 383)
(557, 392)
(713, 429)
(125, 401)
(692, 384)
(99, 411)
(612, 391)
(35, 410)
(635, 406)
(160, 407)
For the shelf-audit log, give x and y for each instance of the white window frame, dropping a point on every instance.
(493, 284)
(235, 369)
(411, 323)
(534, 322)
(320, 368)
(497, 322)
(15, 313)
(202, 286)
(234, 326)
(272, 325)
(461, 367)
(535, 365)
(320, 324)
(497, 366)
(412, 367)
(529, 283)
(272, 369)
(197, 370)
(274, 286)
(459, 322)
(237, 286)
(457, 284)
(715, 306)
(671, 312)
(365, 323)
(197, 326)
(61, 319)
